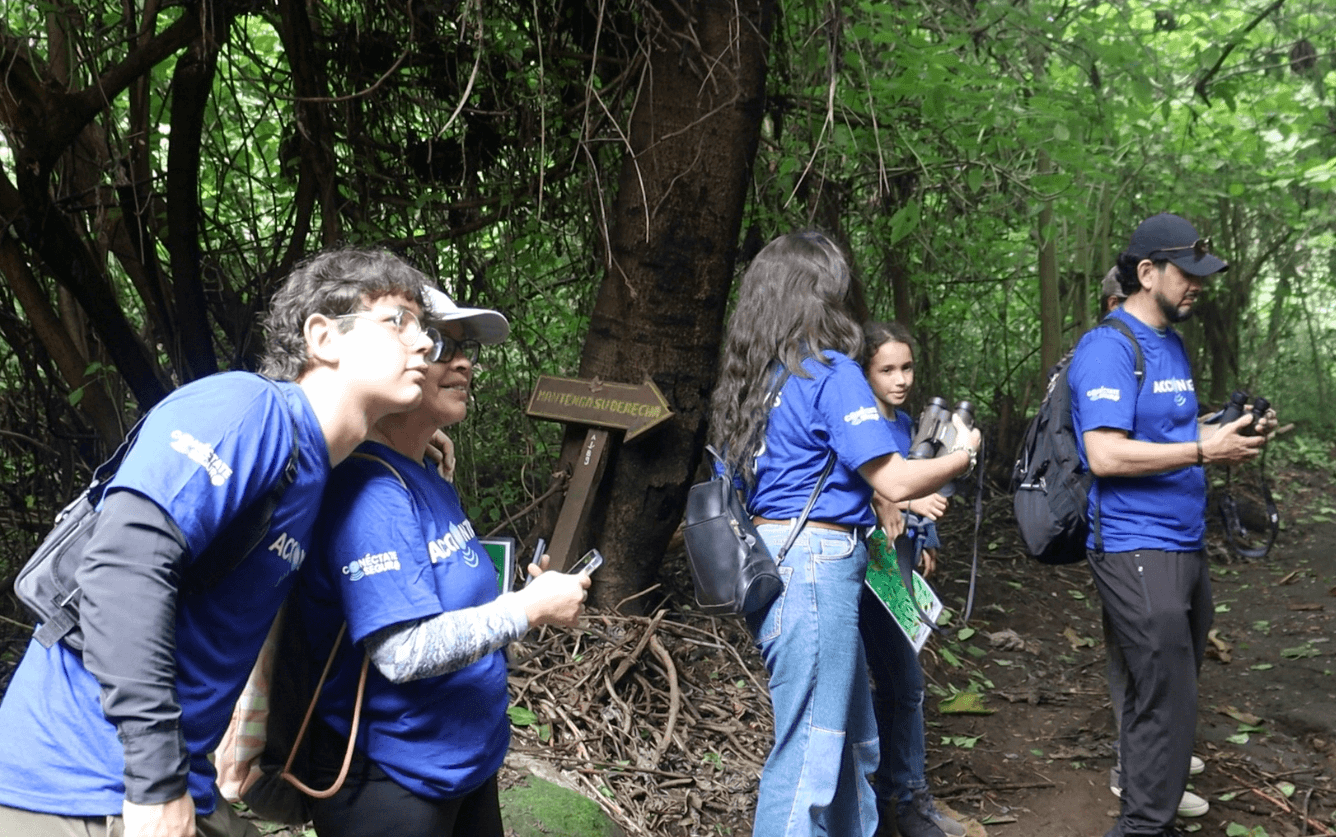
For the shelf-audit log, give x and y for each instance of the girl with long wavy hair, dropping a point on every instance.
(791, 394)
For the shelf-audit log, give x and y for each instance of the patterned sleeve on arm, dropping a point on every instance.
(447, 642)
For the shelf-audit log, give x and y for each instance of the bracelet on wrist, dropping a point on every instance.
(973, 454)
(1201, 459)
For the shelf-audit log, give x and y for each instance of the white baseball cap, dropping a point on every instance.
(481, 324)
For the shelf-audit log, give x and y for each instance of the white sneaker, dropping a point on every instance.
(1196, 766)
(1192, 805)
(1189, 806)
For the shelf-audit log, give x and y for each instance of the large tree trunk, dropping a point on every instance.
(660, 308)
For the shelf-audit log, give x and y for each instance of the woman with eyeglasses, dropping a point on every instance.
(399, 562)
(791, 402)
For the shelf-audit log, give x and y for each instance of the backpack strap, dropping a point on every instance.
(287, 773)
(251, 524)
(1139, 370)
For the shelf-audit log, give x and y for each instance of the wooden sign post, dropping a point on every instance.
(634, 408)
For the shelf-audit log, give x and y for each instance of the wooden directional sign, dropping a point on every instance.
(628, 407)
(634, 408)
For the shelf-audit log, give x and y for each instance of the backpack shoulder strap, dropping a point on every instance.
(1139, 366)
(1139, 370)
(251, 524)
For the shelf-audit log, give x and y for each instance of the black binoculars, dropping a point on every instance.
(1235, 407)
(936, 433)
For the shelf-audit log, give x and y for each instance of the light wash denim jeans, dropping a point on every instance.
(817, 780)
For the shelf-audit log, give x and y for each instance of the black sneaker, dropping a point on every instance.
(918, 817)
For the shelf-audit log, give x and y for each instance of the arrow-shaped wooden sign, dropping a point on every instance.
(634, 408)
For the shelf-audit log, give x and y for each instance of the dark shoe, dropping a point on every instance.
(919, 818)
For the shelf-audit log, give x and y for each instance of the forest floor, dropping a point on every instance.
(664, 719)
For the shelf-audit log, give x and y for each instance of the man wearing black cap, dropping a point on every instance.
(1147, 507)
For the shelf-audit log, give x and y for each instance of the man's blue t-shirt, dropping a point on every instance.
(203, 454)
(1158, 511)
(832, 410)
(388, 554)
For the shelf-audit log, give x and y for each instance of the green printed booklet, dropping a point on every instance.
(883, 579)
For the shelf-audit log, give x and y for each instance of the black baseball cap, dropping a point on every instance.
(1170, 238)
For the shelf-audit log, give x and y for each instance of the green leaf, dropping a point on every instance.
(521, 717)
(964, 703)
(950, 658)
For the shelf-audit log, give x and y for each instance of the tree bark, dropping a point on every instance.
(192, 84)
(660, 308)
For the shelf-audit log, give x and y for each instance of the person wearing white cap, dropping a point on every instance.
(399, 561)
(1141, 439)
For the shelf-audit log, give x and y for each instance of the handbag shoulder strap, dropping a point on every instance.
(811, 501)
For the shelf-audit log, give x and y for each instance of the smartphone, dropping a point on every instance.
(590, 561)
(538, 550)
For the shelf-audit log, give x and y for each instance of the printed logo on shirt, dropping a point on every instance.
(381, 562)
(1173, 385)
(1104, 394)
(861, 415)
(289, 550)
(455, 541)
(201, 453)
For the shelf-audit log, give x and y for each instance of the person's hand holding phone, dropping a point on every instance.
(553, 598)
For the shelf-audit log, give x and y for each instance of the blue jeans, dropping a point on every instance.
(817, 778)
(897, 701)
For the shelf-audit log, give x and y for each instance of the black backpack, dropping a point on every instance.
(1049, 484)
(46, 584)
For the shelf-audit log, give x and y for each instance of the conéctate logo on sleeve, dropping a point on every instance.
(1104, 394)
(861, 415)
(202, 454)
(381, 562)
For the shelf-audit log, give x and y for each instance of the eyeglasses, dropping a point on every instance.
(409, 329)
(1201, 247)
(450, 347)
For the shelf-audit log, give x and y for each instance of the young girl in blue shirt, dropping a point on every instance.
(897, 678)
(791, 395)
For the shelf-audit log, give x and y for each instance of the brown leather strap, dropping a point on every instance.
(820, 524)
(310, 710)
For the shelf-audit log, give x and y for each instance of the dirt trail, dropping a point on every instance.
(1038, 766)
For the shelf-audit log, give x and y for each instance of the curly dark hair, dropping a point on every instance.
(332, 283)
(798, 298)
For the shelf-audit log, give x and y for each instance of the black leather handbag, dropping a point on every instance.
(731, 567)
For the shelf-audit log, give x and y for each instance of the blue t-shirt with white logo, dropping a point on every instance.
(832, 410)
(203, 454)
(390, 553)
(1158, 511)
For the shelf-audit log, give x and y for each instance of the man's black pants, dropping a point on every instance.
(1158, 605)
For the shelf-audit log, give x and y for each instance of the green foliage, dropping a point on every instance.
(929, 137)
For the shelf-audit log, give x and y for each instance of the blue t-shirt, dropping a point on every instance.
(203, 454)
(387, 554)
(903, 428)
(1158, 511)
(832, 410)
